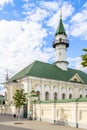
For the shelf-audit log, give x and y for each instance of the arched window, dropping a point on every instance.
(46, 96)
(63, 96)
(60, 39)
(70, 96)
(55, 96)
(38, 94)
(80, 96)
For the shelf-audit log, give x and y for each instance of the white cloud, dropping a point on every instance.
(66, 7)
(53, 5)
(79, 23)
(75, 63)
(25, 0)
(3, 2)
(2, 90)
(37, 15)
(79, 29)
(20, 44)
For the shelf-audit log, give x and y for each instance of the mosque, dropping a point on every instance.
(50, 81)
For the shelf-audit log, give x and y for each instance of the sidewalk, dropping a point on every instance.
(36, 125)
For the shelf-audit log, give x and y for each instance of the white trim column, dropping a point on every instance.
(11, 93)
(42, 92)
(60, 93)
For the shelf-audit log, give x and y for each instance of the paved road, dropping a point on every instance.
(6, 127)
(9, 123)
(5, 119)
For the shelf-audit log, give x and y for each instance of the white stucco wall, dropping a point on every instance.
(73, 114)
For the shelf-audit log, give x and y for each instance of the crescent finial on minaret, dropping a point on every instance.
(61, 13)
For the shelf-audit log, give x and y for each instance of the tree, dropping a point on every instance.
(84, 58)
(19, 100)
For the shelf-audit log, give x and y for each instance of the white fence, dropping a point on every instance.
(72, 113)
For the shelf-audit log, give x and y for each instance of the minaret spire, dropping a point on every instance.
(60, 44)
(60, 28)
(61, 13)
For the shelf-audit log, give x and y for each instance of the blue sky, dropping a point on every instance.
(27, 29)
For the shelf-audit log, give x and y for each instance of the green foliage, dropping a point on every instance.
(19, 98)
(84, 58)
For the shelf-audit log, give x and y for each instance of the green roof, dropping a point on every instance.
(60, 29)
(2, 97)
(63, 100)
(33, 94)
(48, 71)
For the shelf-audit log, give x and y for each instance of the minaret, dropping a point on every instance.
(60, 44)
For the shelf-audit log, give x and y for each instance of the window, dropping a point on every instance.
(63, 96)
(46, 96)
(60, 39)
(80, 96)
(55, 96)
(75, 79)
(38, 94)
(70, 96)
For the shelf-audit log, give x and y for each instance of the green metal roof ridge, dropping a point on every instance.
(48, 71)
(17, 75)
(32, 67)
(33, 93)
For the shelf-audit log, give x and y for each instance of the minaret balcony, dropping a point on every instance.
(61, 41)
